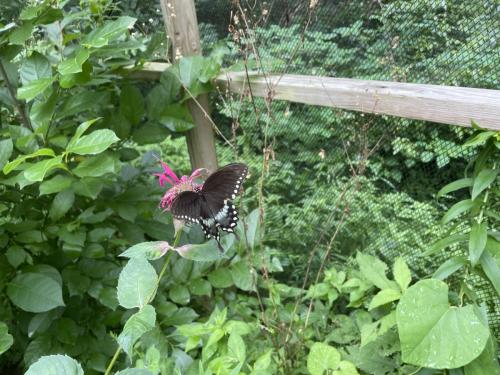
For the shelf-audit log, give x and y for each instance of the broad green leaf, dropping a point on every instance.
(82, 102)
(242, 275)
(236, 347)
(37, 171)
(190, 68)
(35, 67)
(96, 166)
(449, 267)
(134, 371)
(179, 294)
(402, 273)
(94, 143)
(137, 283)
(170, 86)
(200, 287)
(132, 104)
(73, 64)
(346, 368)
(491, 269)
(6, 148)
(263, 362)
(457, 209)
(136, 326)
(82, 128)
(205, 252)
(434, 334)
(61, 204)
(16, 256)
(220, 278)
(374, 270)
(88, 187)
(486, 363)
(9, 167)
(445, 242)
(454, 186)
(34, 88)
(6, 339)
(177, 118)
(22, 33)
(34, 292)
(106, 33)
(252, 224)
(479, 138)
(56, 184)
(383, 297)
(43, 110)
(482, 181)
(477, 241)
(148, 250)
(55, 365)
(322, 358)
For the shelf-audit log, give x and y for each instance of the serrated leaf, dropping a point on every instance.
(94, 143)
(434, 334)
(483, 181)
(55, 364)
(457, 209)
(454, 186)
(137, 325)
(402, 273)
(322, 358)
(34, 292)
(383, 297)
(137, 283)
(477, 241)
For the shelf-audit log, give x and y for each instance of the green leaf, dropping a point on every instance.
(263, 362)
(374, 270)
(137, 325)
(322, 358)
(383, 297)
(177, 118)
(55, 364)
(433, 333)
(346, 368)
(82, 128)
(34, 292)
(137, 283)
(454, 186)
(445, 242)
(6, 339)
(252, 222)
(179, 294)
(205, 252)
(37, 171)
(491, 269)
(477, 241)
(97, 166)
(170, 86)
(486, 363)
(220, 278)
(74, 64)
(402, 273)
(94, 143)
(106, 33)
(148, 250)
(483, 181)
(16, 256)
(242, 275)
(34, 88)
(200, 287)
(236, 347)
(132, 104)
(35, 67)
(449, 267)
(6, 148)
(457, 209)
(61, 204)
(22, 33)
(134, 371)
(479, 138)
(190, 68)
(55, 184)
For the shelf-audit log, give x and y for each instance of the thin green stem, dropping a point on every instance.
(150, 299)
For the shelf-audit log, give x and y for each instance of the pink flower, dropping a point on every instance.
(178, 185)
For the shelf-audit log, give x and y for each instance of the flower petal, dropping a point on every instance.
(169, 172)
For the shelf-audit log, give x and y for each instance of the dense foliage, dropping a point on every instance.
(94, 277)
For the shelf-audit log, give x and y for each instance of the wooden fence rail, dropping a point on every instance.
(442, 104)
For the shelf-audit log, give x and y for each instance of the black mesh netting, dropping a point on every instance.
(376, 176)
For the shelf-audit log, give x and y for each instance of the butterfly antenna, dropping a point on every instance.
(221, 249)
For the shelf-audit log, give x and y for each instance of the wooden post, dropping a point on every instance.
(181, 25)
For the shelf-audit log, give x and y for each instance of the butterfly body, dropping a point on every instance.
(212, 206)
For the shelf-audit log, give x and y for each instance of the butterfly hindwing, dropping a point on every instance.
(187, 206)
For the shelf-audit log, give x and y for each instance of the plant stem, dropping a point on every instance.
(25, 120)
(150, 299)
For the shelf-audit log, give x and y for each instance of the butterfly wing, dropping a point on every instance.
(187, 206)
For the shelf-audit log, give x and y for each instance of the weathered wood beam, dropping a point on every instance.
(443, 104)
(181, 24)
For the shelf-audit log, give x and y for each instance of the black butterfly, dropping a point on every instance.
(212, 205)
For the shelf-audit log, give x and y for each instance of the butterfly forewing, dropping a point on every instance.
(187, 206)
(225, 183)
